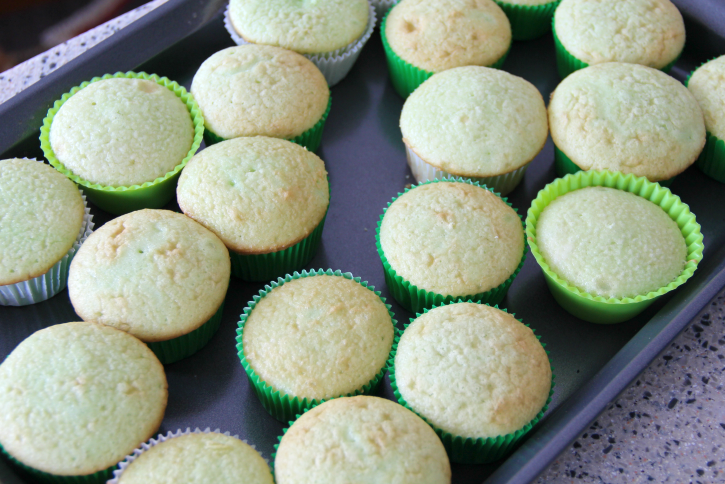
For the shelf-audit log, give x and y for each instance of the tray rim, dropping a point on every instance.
(174, 20)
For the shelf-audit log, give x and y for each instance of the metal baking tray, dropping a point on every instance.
(364, 155)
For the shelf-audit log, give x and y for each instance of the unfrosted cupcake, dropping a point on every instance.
(625, 117)
(76, 398)
(529, 19)
(707, 84)
(622, 245)
(255, 90)
(424, 37)
(610, 244)
(588, 32)
(313, 337)
(265, 198)
(124, 137)
(330, 32)
(156, 274)
(44, 222)
(449, 240)
(475, 374)
(194, 458)
(474, 122)
(362, 439)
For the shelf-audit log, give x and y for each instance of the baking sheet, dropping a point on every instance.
(364, 155)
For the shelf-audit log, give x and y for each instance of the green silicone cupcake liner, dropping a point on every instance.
(406, 77)
(467, 450)
(310, 139)
(283, 407)
(565, 166)
(415, 299)
(528, 21)
(598, 309)
(265, 267)
(175, 349)
(712, 158)
(35, 475)
(567, 63)
(151, 194)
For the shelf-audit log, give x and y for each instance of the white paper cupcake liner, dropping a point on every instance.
(423, 171)
(382, 6)
(52, 282)
(163, 438)
(334, 65)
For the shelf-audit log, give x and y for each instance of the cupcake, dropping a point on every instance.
(705, 83)
(265, 198)
(44, 222)
(610, 244)
(478, 376)
(156, 274)
(474, 122)
(449, 240)
(124, 138)
(423, 37)
(314, 336)
(361, 439)
(75, 399)
(529, 19)
(194, 458)
(588, 32)
(627, 118)
(261, 90)
(331, 33)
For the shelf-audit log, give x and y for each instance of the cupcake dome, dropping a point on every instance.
(304, 27)
(647, 32)
(628, 118)
(42, 213)
(259, 195)
(350, 433)
(475, 122)
(621, 245)
(76, 398)
(255, 90)
(153, 273)
(198, 458)
(442, 34)
(122, 132)
(452, 238)
(318, 337)
(706, 84)
(472, 370)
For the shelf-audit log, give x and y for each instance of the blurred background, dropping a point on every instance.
(29, 27)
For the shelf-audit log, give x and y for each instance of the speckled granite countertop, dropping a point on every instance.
(668, 426)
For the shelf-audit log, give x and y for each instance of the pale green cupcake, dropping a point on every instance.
(706, 84)
(621, 245)
(474, 122)
(122, 132)
(75, 398)
(646, 32)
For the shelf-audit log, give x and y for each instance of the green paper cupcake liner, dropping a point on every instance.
(175, 349)
(528, 21)
(264, 267)
(565, 166)
(310, 139)
(598, 309)
(712, 158)
(467, 450)
(416, 300)
(567, 63)
(124, 199)
(283, 407)
(406, 77)
(35, 475)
